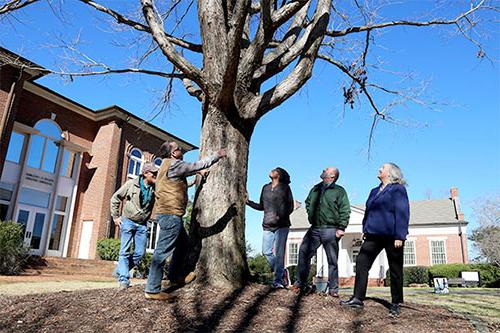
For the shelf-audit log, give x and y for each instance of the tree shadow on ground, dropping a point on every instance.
(241, 303)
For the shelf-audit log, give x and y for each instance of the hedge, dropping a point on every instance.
(489, 274)
(13, 252)
(108, 249)
(411, 274)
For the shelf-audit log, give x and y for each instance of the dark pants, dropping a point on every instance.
(171, 242)
(311, 242)
(370, 249)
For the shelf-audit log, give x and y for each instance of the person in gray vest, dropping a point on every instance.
(138, 200)
(171, 202)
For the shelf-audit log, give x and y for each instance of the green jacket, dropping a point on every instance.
(129, 193)
(330, 209)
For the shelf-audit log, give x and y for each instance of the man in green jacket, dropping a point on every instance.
(328, 211)
(138, 200)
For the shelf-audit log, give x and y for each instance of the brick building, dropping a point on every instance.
(437, 235)
(60, 161)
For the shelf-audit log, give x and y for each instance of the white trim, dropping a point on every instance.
(72, 207)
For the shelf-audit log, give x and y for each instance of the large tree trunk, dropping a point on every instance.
(218, 217)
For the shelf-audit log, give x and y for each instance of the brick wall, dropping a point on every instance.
(453, 248)
(99, 178)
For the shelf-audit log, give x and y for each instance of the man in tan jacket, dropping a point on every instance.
(138, 200)
(171, 202)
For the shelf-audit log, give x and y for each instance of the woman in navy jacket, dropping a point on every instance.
(385, 226)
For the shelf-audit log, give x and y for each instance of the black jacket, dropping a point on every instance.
(277, 205)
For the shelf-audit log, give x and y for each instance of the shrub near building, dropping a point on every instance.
(13, 252)
(489, 274)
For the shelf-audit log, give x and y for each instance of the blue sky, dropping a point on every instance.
(458, 145)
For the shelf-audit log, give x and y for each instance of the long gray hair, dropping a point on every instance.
(395, 174)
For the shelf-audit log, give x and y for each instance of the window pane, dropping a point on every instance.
(6, 191)
(56, 232)
(158, 162)
(35, 151)
(36, 237)
(293, 253)
(22, 219)
(3, 211)
(34, 198)
(15, 147)
(49, 128)
(68, 164)
(50, 157)
(136, 153)
(409, 253)
(137, 168)
(61, 202)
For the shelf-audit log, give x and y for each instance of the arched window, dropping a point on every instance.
(135, 163)
(44, 146)
(157, 161)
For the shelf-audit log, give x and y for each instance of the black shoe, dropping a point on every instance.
(353, 302)
(395, 310)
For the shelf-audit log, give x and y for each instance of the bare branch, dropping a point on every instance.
(260, 105)
(339, 33)
(141, 27)
(192, 90)
(15, 5)
(166, 46)
(359, 81)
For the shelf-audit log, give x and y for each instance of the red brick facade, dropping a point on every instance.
(105, 137)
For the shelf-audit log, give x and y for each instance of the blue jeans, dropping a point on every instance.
(138, 233)
(171, 232)
(275, 240)
(311, 242)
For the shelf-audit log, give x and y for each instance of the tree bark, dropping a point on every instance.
(218, 217)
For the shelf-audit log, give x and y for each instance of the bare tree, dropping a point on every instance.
(252, 57)
(486, 236)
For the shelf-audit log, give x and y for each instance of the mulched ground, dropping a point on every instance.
(255, 308)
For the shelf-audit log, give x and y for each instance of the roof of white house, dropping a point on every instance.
(424, 212)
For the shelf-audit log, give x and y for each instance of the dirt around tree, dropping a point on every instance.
(255, 308)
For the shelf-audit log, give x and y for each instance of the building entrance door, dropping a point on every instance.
(33, 220)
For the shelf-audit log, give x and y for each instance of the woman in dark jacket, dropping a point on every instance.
(385, 226)
(276, 201)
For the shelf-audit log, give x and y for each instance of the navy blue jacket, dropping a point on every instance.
(388, 212)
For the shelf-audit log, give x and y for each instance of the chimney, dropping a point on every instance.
(456, 203)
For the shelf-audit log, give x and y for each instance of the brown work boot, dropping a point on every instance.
(161, 296)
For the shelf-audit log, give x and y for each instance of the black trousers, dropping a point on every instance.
(369, 251)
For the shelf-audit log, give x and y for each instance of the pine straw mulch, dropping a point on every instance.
(255, 308)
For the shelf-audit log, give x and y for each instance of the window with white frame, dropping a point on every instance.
(410, 258)
(157, 161)
(56, 229)
(438, 252)
(16, 146)
(44, 147)
(135, 163)
(293, 254)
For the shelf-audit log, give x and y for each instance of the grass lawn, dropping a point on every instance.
(481, 302)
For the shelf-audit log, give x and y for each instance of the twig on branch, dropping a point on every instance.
(15, 5)
(339, 33)
(142, 27)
